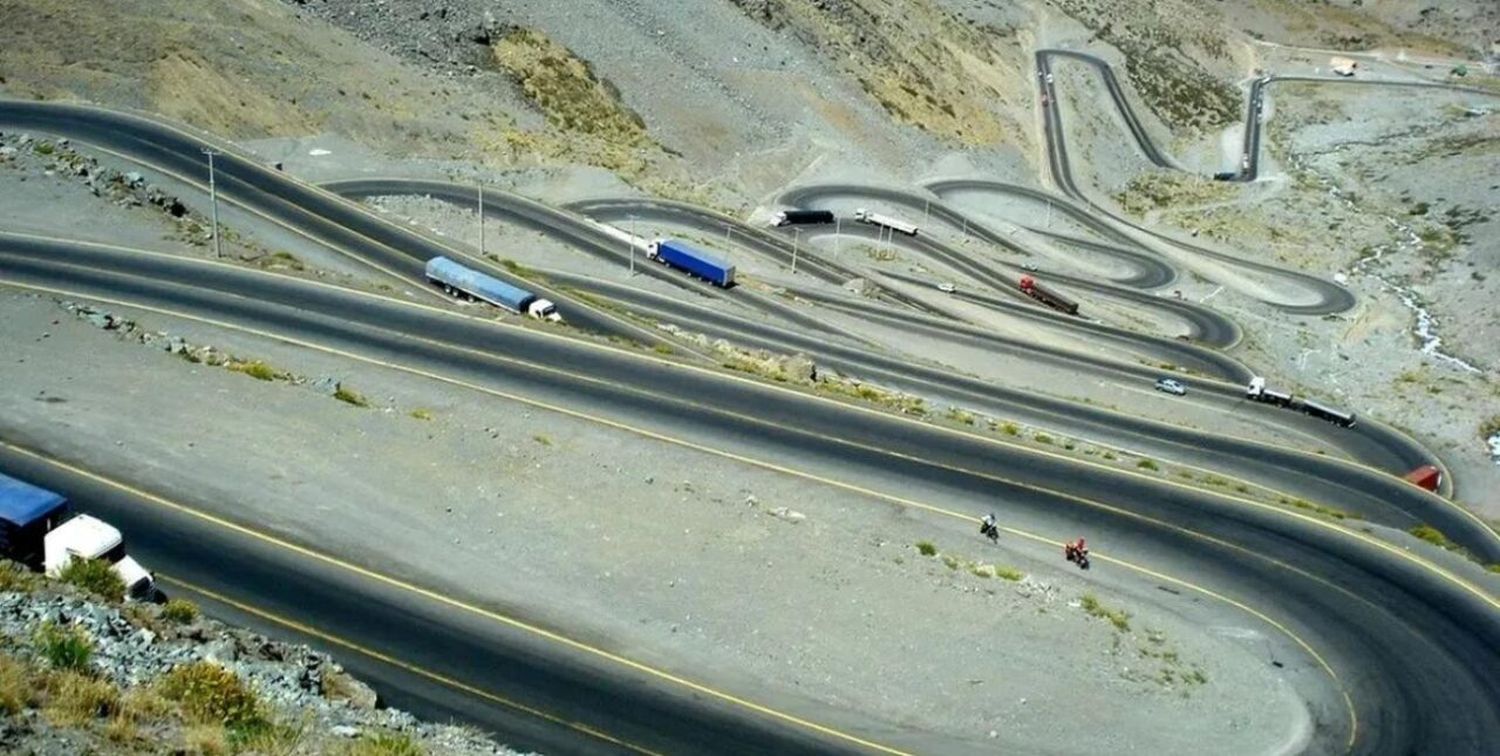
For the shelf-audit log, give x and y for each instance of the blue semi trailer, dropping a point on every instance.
(457, 279)
(712, 268)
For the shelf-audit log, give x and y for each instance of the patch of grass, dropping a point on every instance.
(566, 89)
(95, 576)
(45, 148)
(64, 648)
(961, 416)
(950, 562)
(350, 396)
(1493, 567)
(210, 694)
(1011, 429)
(1148, 464)
(1009, 573)
(1042, 438)
(663, 349)
(258, 370)
(1185, 474)
(16, 578)
(76, 699)
(1109, 455)
(381, 744)
(1117, 617)
(17, 691)
(982, 570)
(1433, 536)
(421, 413)
(179, 611)
(542, 439)
(926, 548)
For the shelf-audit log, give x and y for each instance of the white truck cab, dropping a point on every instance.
(543, 309)
(86, 537)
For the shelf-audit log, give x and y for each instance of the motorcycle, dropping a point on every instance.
(1077, 553)
(990, 530)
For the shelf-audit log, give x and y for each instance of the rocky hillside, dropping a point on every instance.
(83, 674)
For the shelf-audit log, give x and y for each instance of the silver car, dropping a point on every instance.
(1171, 386)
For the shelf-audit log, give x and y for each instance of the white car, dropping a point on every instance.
(1029, 266)
(1049, 77)
(947, 288)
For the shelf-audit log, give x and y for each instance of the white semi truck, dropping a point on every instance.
(876, 219)
(38, 530)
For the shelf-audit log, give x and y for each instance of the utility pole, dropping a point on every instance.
(966, 230)
(481, 220)
(633, 237)
(836, 223)
(1049, 213)
(213, 200)
(926, 210)
(728, 229)
(796, 237)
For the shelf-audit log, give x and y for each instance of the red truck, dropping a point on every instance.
(1047, 296)
(1426, 476)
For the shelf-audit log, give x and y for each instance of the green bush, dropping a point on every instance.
(382, 744)
(210, 694)
(64, 648)
(180, 611)
(1117, 617)
(926, 548)
(1432, 535)
(1147, 464)
(1011, 429)
(1009, 573)
(95, 576)
(421, 413)
(350, 396)
(258, 370)
(1042, 438)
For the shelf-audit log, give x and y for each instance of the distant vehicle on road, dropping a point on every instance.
(457, 280)
(709, 267)
(1324, 412)
(947, 288)
(1343, 66)
(1028, 266)
(801, 217)
(1047, 296)
(1226, 176)
(1171, 386)
(38, 530)
(1049, 77)
(1426, 476)
(876, 219)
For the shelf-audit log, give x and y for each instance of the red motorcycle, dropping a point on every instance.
(1077, 552)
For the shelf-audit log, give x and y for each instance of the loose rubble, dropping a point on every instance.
(134, 646)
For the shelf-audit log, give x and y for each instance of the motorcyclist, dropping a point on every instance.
(988, 526)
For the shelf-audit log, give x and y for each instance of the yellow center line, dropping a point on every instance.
(402, 665)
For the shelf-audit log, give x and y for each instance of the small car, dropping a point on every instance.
(1049, 77)
(947, 288)
(1171, 386)
(1029, 266)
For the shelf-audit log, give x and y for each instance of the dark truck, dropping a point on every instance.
(801, 217)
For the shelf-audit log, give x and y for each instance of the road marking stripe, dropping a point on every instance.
(399, 664)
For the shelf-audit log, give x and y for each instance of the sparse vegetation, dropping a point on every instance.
(950, 562)
(1148, 464)
(542, 439)
(179, 611)
(1433, 536)
(258, 370)
(1011, 429)
(926, 548)
(1117, 617)
(212, 695)
(1042, 438)
(64, 648)
(95, 576)
(350, 396)
(1009, 573)
(421, 413)
(382, 744)
(1158, 190)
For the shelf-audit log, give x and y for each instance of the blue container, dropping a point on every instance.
(709, 267)
(449, 273)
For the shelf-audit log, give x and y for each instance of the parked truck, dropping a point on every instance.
(876, 219)
(38, 530)
(712, 268)
(1047, 296)
(457, 280)
(801, 217)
